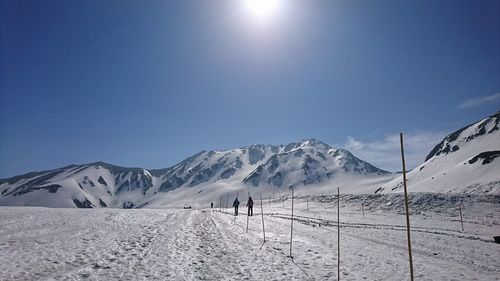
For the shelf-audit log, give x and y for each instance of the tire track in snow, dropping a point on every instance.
(395, 227)
(428, 253)
(213, 251)
(419, 250)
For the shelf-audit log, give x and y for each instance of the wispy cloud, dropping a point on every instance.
(480, 100)
(386, 153)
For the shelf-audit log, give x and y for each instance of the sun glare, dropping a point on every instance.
(262, 8)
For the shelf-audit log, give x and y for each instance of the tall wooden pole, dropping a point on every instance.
(338, 233)
(291, 228)
(406, 206)
(262, 212)
(363, 209)
(461, 219)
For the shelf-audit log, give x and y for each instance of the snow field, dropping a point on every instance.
(374, 247)
(173, 244)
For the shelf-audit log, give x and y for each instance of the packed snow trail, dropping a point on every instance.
(146, 244)
(73, 244)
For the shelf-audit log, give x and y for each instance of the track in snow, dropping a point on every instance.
(132, 245)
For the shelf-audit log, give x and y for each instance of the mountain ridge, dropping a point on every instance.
(465, 161)
(306, 163)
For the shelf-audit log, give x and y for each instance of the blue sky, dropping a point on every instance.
(149, 83)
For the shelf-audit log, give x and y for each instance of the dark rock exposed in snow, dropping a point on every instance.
(487, 156)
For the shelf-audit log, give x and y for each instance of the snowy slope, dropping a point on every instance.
(199, 179)
(465, 161)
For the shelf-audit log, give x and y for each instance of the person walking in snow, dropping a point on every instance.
(250, 206)
(236, 204)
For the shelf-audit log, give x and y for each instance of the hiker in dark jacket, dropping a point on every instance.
(250, 206)
(236, 204)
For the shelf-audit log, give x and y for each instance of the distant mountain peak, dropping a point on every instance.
(312, 142)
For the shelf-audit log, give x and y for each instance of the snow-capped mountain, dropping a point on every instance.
(307, 163)
(90, 185)
(464, 161)
(203, 177)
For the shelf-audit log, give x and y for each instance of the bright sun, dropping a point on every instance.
(262, 8)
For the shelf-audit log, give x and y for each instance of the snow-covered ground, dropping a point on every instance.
(176, 244)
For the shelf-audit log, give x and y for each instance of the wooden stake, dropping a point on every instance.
(307, 201)
(262, 212)
(363, 209)
(338, 233)
(461, 219)
(291, 228)
(406, 206)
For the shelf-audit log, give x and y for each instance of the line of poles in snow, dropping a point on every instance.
(224, 206)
